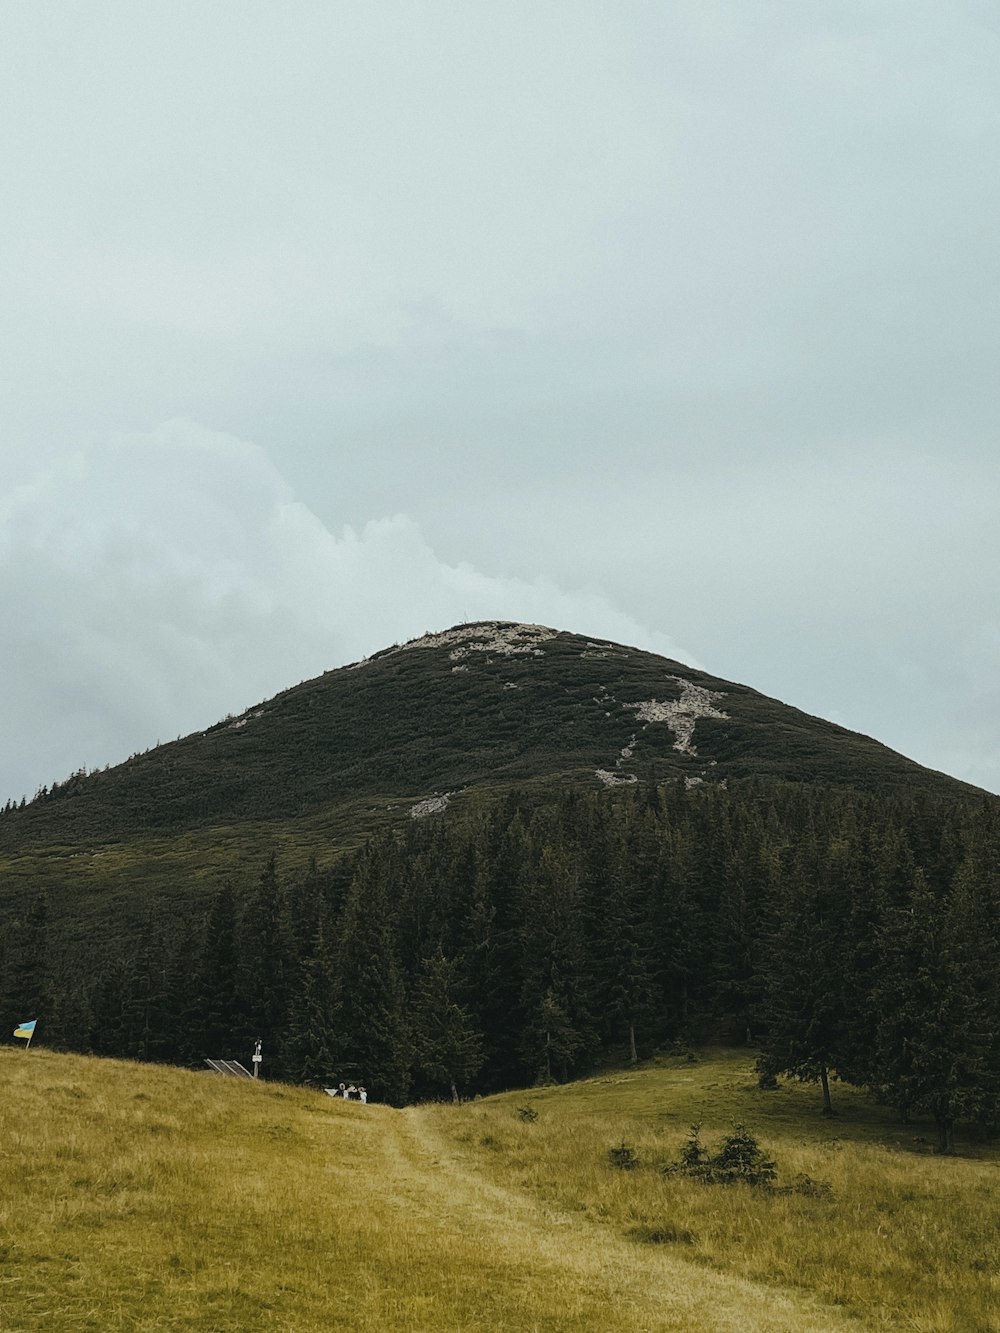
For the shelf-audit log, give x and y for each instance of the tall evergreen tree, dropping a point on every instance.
(372, 1029)
(937, 995)
(30, 991)
(559, 1031)
(266, 967)
(490, 945)
(216, 1015)
(801, 1013)
(311, 1044)
(447, 1046)
(623, 953)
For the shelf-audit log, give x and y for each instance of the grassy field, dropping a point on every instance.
(139, 1198)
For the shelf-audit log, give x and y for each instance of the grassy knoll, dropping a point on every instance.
(138, 1197)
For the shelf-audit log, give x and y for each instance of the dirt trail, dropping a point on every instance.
(640, 1288)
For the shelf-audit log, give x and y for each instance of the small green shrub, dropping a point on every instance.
(694, 1153)
(739, 1160)
(623, 1157)
(767, 1078)
(528, 1114)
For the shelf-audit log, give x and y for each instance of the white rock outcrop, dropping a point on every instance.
(433, 805)
(680, 715)
(498, 637)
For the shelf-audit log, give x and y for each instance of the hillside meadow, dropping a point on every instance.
(140, 1197)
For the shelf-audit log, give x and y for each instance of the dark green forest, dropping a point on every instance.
(845, 935)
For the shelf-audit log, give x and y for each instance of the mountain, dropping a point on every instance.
(503, 855)
(447, 720)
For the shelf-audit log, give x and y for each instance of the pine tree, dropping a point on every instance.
(558, 1033)
(447, 1047)
(680, 956)
(489, 945)
(622, 949)
(310, 1050)
(217, 1016)
(372, 1031)
(266, 967)
(29, 986)
(802, 1008)
(937, 1036)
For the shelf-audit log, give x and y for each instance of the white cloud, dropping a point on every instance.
(154, 584)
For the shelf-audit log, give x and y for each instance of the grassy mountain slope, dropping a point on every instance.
(467, 713)
(139, 1197)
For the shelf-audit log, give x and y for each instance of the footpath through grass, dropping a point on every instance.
(140, 1198)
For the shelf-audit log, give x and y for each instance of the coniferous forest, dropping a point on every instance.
(844, 935)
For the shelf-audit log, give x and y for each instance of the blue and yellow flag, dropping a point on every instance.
(26, 1029)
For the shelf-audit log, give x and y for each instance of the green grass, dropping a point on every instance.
(139, 1198)
(904, 1239)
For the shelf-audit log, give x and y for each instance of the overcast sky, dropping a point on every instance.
(324, 324)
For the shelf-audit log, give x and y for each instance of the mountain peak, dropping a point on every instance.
(502, 638)
(451, 718)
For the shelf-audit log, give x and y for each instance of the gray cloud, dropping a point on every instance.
(152, 585)
(691, 304)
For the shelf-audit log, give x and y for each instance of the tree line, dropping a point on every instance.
(844, 935)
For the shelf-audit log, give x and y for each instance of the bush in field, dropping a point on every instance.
(739, 1160)
(623, 1157)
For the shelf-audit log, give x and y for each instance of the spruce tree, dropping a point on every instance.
(216, 1015)
(623, 954)
(558, 1034)
(447, 1046)
(29, 986)
(372, 1030)
(937, 1035)
(490, 947)
(266, 967)
(311, 1045)
(801, 1012)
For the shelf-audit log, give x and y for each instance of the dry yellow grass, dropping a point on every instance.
(140, 1198)
(904, 1240)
